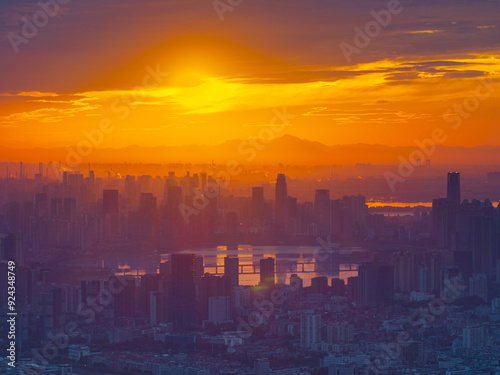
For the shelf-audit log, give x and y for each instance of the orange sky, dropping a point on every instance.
(172, 73)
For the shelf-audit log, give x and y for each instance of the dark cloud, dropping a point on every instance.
(88, 39)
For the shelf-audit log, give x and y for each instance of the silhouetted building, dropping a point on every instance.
(258, 203)
(147, 204)
(211, 286)
(280, 200)
(453, 188)
(338, 287)
(376, 285)
(322, 211)
(110, 201)
(443, 221)
(158, 308)
(353, 289)
(267, 274)
(319, 284)
(231, 270)
(181, 292)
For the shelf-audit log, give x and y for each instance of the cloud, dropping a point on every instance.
(58, 111)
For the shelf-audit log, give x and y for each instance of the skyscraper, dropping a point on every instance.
(310, 330)
(443, 223)
(181, 293)
(231, 270)
(280, 198)
(267, 272)
(322, 211)
(147, 204)
(353, 289)
(258, 203)
(376, 284)
(110, 201)
(453, 192)
(211, 286)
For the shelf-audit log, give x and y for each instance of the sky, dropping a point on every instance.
(182, 72)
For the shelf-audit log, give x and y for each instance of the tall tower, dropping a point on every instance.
(310, 329)
(267, 274)
(322, 210)
(231, 270)
(280, 197)
(258, 202)
(110, 201)
(453, 193)
(182, 292)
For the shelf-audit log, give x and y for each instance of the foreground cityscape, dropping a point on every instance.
(177, 275)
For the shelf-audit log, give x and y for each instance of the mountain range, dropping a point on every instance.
(286, 149)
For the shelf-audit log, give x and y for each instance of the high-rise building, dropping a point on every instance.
(473, 337)
(319, 285)
(404, 271)
(199, 269)
(11, 248)
(310, 329)
(125, 302)
(231, 270)
(219, 309)
(131, 188)
(478, 286)
(261, 366)
(443, 221)
(147, 204)
(280, 201)
(267, 274)
(413, 353)
(203, 180)
(453, 191)
(322, 211)
(258, 203)
(424, 279)
(296, 286)
(110, 201)
(211, 286)
(182, 292)
(149, 283)
(158, 308)
(338, 287)
(340, 332)
(376, 284)
(353, 289)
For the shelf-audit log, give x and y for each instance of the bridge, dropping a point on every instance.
(254, 269)
(295, 267)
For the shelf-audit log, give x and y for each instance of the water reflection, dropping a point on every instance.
(302, 260)
(288, 259)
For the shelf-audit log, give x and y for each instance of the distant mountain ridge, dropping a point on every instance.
(286, 149)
